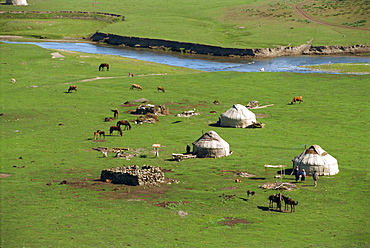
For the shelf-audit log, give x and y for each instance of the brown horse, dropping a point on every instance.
(277, 199)
(101, 66)
(115, 128)
(124, 123)
(252, 193)
(72, 87)
(297, 99)
(160, 89)
(98, 134)
(136, 86)
(290, 202)
(115, 112)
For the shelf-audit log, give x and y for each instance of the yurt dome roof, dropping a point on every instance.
(237, 116)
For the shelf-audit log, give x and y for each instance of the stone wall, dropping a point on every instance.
(305, 49)
(133, 175)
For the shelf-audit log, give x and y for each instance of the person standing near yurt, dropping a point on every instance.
(303, 175)
(296, 173)
(315, 177)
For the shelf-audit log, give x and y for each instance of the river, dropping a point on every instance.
(203, 62)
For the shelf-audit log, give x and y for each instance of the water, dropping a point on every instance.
(203, 62)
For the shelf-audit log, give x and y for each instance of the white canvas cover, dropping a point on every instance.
(316, 159)
(237, 116)
(211, 145)
(17, 2)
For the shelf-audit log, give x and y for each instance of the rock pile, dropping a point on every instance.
(132, 175)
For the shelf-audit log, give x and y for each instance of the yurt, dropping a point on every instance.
(211, 145)
(17, 2)
(316, 159)
(237, 116)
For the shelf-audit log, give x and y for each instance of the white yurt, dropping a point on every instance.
(237, 116)
(211, 145)
(316, 159)
(17, 2)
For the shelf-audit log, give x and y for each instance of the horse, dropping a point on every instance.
(72, 87)
(130, 74)
(101, 66)
(275, 198)
(252, 193)
(160, 89)
(124, 123)
(136, 86)
(297, 99)
(289, 202)
(115, 128)
(115, 113)
(98, 134)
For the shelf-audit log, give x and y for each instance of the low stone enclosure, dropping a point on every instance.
(132, 175)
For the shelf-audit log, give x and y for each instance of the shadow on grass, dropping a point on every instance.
(263, 208)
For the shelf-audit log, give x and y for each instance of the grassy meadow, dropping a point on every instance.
(47, 137)
(233, 23)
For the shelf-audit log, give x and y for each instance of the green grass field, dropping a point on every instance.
(37, 153)
(233, 23)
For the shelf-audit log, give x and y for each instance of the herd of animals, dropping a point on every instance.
(277, 198)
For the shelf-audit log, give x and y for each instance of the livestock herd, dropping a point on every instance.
(276, 198)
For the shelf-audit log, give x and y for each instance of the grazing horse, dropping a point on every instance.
(115, 128)
(297, 99)
(124, 123)
(275, 198)
(160, 89)
(252, 193)
(72, 87)
(115, 112)
(131, 74)
(136, 86)
(101, 66)
(98, 134)
(290, 202)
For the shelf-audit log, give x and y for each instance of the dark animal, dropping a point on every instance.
(130, 74)
(99, 134)
(289, 202)
(297, 99)
(72, 87)
(124, 123)
(136, 86)
(277, 199)
(115, 128)
(252, 193)
(115, 113)
(160, 89)
(101, 66)
(216, 102)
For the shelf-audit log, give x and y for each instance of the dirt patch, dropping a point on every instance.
(3, 175)
(231, 221)
(231, 188)
(169, 203)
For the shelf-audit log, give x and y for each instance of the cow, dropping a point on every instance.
(130, 74)
(160, 89)
(72, 87)
(297, 99)
(101, 66)
(136, 86)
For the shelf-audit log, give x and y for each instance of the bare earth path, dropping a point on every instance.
(301, 12)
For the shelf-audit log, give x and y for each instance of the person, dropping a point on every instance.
(187, 149)
(303, 175)
(296, 173)
(315, 177)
